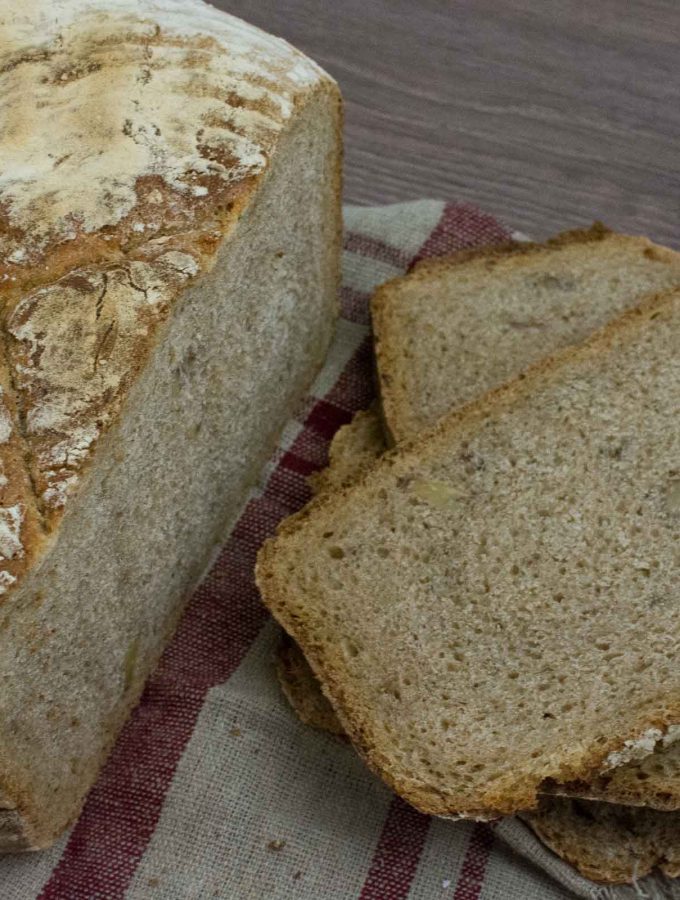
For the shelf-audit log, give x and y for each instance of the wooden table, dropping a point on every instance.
(548, 113)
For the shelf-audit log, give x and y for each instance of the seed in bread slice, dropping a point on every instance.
(435, 326)
(496, 604)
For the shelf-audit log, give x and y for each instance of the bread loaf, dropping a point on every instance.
(169, 243)
(400, 588)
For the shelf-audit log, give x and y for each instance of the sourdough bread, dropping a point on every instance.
(400, 588)
(434, 327)
(169, 244)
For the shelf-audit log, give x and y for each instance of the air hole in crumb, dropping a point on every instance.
(336, 552)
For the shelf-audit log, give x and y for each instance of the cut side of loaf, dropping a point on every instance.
(455, 328)
(609, 843)
(477, 620)
(169, 246)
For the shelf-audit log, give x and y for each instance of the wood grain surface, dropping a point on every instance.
(548, 113)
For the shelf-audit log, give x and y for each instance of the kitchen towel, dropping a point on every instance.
(214, 788)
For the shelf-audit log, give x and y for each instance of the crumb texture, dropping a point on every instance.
(434, 327)
(494, 607)
(647, 771)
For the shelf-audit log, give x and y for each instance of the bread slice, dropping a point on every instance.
(434, 326)
(488, 532)
(353, 450)
(302, 690)
(609, 843)
(605, 842)
(653, 780)
(169, 258)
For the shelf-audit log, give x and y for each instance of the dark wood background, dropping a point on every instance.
(548, 113)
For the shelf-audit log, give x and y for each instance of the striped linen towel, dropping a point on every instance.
(214, 789)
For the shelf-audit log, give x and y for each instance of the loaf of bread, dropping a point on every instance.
(169, 247)
(431, 624)
(434, 327)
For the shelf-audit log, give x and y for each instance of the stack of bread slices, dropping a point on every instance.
(483, 594)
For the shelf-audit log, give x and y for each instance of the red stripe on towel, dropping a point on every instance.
(473, 870)
(461, 227)
(372, 248)
(396, 855)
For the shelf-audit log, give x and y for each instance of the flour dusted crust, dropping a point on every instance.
(74, 346)
(20, 525)
(131, 136)
(115, 123)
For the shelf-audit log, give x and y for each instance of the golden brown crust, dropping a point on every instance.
(302, 690)
(273, 584)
